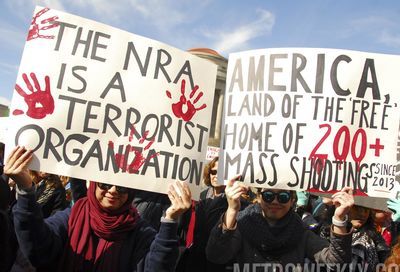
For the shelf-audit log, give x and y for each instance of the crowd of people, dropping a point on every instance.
(53, 223)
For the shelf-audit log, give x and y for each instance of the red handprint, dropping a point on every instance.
(40, 103)
(35, 29)
(139, 159)
(177, 108)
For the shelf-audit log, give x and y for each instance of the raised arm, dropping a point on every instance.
(225, 239)
(339, 250)
(36, 237)
(163, 253)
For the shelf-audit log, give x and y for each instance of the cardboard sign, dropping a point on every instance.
(103, 104)
(212, 152)
(312, 119)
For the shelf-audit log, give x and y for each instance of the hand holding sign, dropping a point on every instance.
(181, 200)
(343, 202)
(34, 30)
(16, 166)
(233, 191)
(178, 108)
(39, 102)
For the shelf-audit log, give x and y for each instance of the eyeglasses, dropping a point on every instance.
(120, 190)
(269, 196)
(213, 172)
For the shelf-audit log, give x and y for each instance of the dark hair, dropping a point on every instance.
(206, 173)
(53, 181)
(4, 194)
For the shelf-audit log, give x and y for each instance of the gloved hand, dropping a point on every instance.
(302, 198)
(394, 205)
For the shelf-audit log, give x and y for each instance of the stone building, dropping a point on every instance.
(4, 110)
(216, 120)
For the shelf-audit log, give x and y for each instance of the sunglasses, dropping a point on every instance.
(120, 190)
(269, 196)
(213, 172)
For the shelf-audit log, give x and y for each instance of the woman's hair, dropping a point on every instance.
(52, 181)
(64, 180)
(34, 176)
(393, 259)
(206, 173)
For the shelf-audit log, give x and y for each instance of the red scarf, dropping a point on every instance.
(96, 235)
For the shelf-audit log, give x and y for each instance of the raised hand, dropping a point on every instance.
(36, 28)
(181, 200)
(233, 190)
(39, 102)
(184, 108)
(343, 202)
(16, 166)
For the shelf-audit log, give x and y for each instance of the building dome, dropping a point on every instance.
(206, 51)
(215, 57)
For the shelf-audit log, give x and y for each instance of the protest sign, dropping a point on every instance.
(312, 119)
(102, 104)
(212, 152)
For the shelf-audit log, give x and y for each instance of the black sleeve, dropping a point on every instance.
(38, 237)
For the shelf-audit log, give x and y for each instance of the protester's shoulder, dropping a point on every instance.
(378, 240)
(59, 216)
(310, 238)
(143, 228)
(203, 194)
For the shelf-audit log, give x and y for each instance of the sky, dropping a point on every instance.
(225, 25)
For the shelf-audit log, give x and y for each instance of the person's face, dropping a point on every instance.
(275, 210)
(213, 175)
(110, 199)
(358, 216)
(380, 217)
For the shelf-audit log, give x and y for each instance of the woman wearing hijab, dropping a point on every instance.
(102, 232)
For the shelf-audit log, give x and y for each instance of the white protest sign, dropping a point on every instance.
(102, 104)
(212, 152)
(312, 119)
(398, 164)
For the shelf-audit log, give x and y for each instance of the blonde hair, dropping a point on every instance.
(394, 258)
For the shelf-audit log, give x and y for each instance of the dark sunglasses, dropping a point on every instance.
(213, 172)
(269, 196)
(120, 190)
